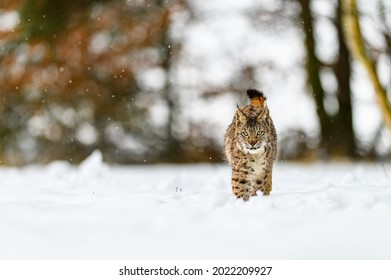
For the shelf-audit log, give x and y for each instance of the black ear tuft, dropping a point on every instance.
(251, 93)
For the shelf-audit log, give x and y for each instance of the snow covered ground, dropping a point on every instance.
(97, 211)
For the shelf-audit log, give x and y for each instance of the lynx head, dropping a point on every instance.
(252, 128)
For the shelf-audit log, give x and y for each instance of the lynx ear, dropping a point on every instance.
(240, 116)
(263, 114)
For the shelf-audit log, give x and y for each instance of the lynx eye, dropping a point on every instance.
(244, 134)
(261, 133)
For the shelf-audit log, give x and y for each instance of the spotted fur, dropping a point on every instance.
(250, 146)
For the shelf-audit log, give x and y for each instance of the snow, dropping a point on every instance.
(8, 20)
(99, 211)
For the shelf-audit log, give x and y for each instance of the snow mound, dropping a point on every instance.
(93, 165)
(96, 211)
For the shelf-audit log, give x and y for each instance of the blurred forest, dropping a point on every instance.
(114, 75)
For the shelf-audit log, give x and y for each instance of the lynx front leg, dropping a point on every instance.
(264, 183)
(241, 186)
(268, 184)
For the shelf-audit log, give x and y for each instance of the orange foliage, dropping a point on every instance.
(90, 67)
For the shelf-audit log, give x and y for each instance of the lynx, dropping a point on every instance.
(250, 146)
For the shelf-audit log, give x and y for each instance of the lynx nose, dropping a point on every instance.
(252, 142)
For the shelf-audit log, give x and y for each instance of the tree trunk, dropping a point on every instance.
(355, 41)
(173, 151)
(345, 140)
(313, 66)
(337, 134)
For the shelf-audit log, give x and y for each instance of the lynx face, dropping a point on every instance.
(252, 139)
(251, 132)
